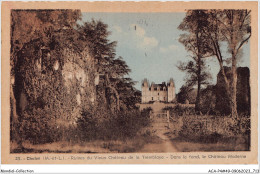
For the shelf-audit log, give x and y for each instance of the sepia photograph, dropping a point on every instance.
(89, 82)
(76, 81)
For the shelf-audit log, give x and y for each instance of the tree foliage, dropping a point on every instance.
(212, 28)
(195, 42)
(54, 65)
(113, 70)
(191, 69)
(232, 27)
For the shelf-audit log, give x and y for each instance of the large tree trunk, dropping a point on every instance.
(114, 91)
(230, 87)
(233, 101)
(197, 104)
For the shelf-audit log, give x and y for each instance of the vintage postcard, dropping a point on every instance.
(129, 83)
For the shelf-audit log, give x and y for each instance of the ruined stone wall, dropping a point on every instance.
(79, 79)
(243, 91)
(53, 87)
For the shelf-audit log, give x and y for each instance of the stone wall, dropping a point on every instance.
(56, 86)
(243, 92)
(79, 70)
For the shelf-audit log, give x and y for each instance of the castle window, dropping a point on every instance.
(152, 98)
(158, 93)
(164, 98)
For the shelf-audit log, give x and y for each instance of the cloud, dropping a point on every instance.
(142, 40)
(150, 42)
(139, 31)
(135, 36)
(117, 28)
(168, 49)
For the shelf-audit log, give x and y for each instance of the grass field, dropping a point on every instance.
(233, 144)
(97, 146)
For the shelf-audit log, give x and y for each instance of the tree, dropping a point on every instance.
(195, 76)
(218, 27)
(112, 69)
(187, 95)
(95, 34)
(195, 42)
(232, 27)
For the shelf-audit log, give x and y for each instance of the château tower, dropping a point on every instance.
(145, 90)
(171, 91)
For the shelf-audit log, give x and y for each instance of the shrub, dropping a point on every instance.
(87, 125)
(114, 126)
(209, 129)
(36, 127)
(181, 110)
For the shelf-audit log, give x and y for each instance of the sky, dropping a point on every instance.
(148, 42)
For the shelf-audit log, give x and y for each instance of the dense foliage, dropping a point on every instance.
(67, 83)
(207, 31)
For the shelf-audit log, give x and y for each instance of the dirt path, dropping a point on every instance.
(166, 145)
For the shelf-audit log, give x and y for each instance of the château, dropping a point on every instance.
(164, 92)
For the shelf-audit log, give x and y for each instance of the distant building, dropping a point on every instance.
(158, 92)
